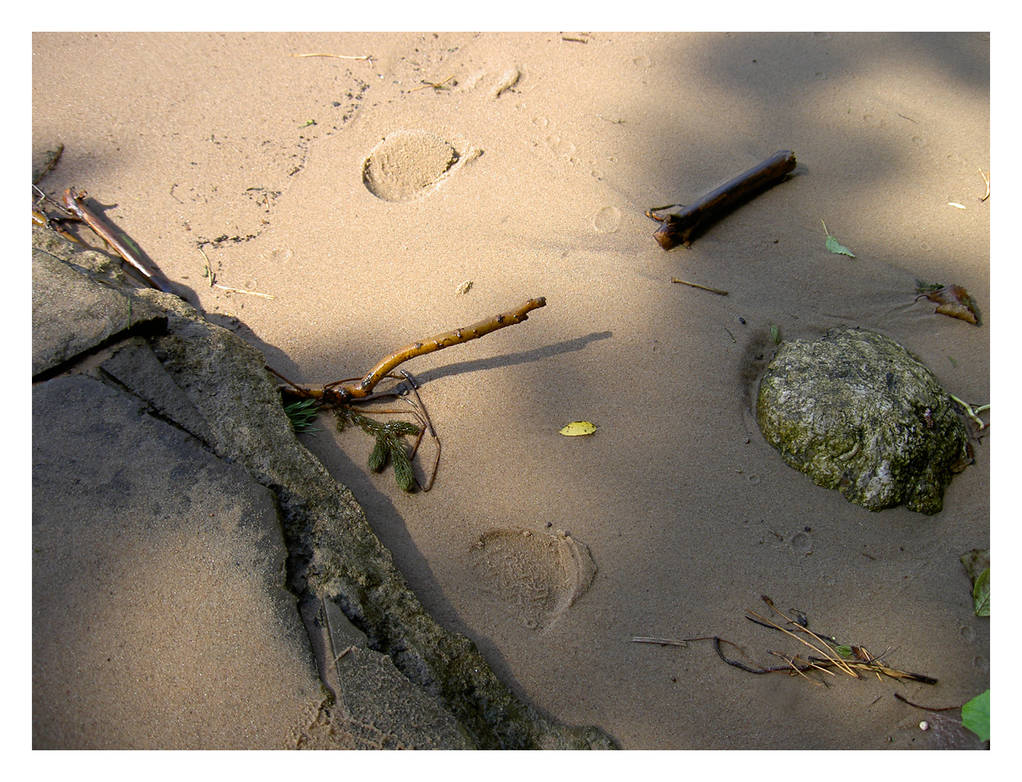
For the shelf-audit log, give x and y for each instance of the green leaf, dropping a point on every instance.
(977, 566)
(834, 245)
(844, 650)
(981, 594)
(976, 715)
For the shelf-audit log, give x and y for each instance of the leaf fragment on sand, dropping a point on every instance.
(578, 428)
(834, 245)
(976, 715)
(981, 594)
(951, 300)
(977, 566)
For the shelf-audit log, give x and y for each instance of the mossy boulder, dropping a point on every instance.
(856, 412)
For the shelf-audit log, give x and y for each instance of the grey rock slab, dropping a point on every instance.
(373, 698)
(73, 313)
(856, 412)
(159, 615)
(133, 365)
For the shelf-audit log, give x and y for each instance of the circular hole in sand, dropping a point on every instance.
(802, 543)
(406, 163)
(607, 220)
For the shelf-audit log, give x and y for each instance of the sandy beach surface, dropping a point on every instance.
(523, 164)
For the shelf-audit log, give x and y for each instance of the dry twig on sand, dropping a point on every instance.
(342, 395)
(367, 57)
(343, 392)
(830, 656)
(683, 227)
(718, 291)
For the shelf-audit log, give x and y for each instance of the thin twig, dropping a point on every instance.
(123, 245)
(209, 269)
(644, 639)
(427, 423)
(242, 290)
(792, 664)
(364, 387)
(366, 57)
(52, 158)
(903, 699)
(214, 284)
(827, 655)
(436, 85)
(987, 180)
(346, 651)
(718, 291)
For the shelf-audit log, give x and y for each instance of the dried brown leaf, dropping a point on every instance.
(953, 301)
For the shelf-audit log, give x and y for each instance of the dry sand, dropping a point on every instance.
(548, 148)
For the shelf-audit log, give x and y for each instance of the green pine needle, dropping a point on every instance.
(301, 413)
(389, 447)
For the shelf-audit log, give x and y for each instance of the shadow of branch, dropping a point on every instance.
(510, 359)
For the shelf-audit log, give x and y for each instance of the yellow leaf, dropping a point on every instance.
(578, 428)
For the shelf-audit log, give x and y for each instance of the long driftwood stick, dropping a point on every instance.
(682, 227)
(361, 389)
(124, 245)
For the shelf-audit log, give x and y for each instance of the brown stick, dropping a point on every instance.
(684, 226)
(124, 245)
(718, 291)
(342, 394)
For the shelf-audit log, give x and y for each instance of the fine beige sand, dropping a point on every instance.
(523, 165)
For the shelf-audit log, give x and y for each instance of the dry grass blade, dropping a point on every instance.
(792, 663)
(986, 179)
(827, 653)
(645, 639)
(367, 57)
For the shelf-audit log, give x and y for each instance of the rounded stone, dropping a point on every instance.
(856, 412)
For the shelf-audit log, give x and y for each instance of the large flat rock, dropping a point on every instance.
(159, 614)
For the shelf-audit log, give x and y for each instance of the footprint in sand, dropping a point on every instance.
(409, 164)
(536, 576)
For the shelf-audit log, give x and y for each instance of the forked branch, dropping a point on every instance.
(344, 392)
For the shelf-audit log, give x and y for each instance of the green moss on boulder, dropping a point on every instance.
(856, 412)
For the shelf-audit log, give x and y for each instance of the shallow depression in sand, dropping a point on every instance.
(407, 163)
(607, 220)
(536, 576)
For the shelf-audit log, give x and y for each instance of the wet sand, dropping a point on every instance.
(523, 164)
